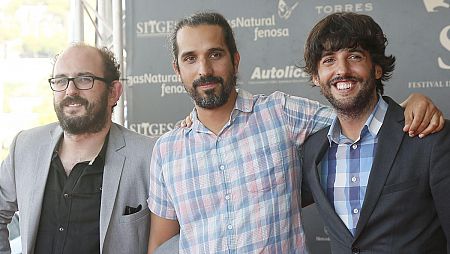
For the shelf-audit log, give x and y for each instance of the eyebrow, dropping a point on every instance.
(77, 75)
(326, 53)
(187, 53)
(359, 50)
(216, 49)
(330, 52)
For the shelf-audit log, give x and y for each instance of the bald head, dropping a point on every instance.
(83, 57)
(77, 61)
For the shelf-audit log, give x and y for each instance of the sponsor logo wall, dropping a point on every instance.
(270, 35)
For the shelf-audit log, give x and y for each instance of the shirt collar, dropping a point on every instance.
(102, 154)
(372, 125)
(100, 157)
(244, 103)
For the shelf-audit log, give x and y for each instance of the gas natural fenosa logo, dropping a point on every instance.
(285, 8)
(432, 5)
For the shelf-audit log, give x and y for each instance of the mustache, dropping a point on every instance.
(341, 78)
(206, 79)
(74, 100)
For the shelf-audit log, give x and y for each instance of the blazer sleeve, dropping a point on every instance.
(307, 198)
(440, 178)
(8, 197)
(306, 193)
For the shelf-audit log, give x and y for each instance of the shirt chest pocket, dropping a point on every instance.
(267, 169)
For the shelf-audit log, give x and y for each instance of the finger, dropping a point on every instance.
(441, 124)
(434, 124)
(188, 121)
(427, 120)
(408, 120)
(420, 120)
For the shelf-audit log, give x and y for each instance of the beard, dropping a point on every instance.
(212, 100)
(93, 121)
(352, 106)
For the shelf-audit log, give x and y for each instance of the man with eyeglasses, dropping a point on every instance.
(80, 185)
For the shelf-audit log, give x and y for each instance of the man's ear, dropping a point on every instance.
(115, 92)
(378, 72)
(237, 59)
(315, 80)
(175, 67)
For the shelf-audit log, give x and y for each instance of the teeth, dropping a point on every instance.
(342, 86)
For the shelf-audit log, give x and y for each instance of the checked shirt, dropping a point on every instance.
(347, 164)
(237, 192)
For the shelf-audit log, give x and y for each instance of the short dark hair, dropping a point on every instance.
(203, 18)
(348, 30)
(111, 67)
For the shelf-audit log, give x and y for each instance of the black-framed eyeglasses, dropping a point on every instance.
(84, 82)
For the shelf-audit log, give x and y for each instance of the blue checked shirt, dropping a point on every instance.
(237, 192)
(346, 166)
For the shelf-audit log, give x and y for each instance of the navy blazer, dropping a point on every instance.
(407, 204)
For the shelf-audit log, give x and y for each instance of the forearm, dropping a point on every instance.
(305, 117)
(161, 230)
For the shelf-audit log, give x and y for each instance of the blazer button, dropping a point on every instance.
(355, 250)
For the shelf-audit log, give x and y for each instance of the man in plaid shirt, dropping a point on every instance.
(230, 182)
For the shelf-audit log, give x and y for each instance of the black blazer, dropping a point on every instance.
(407, 204)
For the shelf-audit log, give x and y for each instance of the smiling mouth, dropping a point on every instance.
(73, 108)
(343, 85)
(74, 105)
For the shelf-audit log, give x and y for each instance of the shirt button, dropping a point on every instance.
(354, 179)
(222, 167)
(227, 197)
(355, 210)
(354, 146)
(230, 227)
(61, 229)
(66, 195)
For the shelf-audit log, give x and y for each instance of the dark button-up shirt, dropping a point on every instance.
(70, 214)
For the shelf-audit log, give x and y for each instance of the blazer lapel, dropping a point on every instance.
(45, 152)
(390, 138)
(114, 164)
(319, 194)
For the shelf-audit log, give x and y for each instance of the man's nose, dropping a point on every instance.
(342, 67)
(205, 68)
(71, 88)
